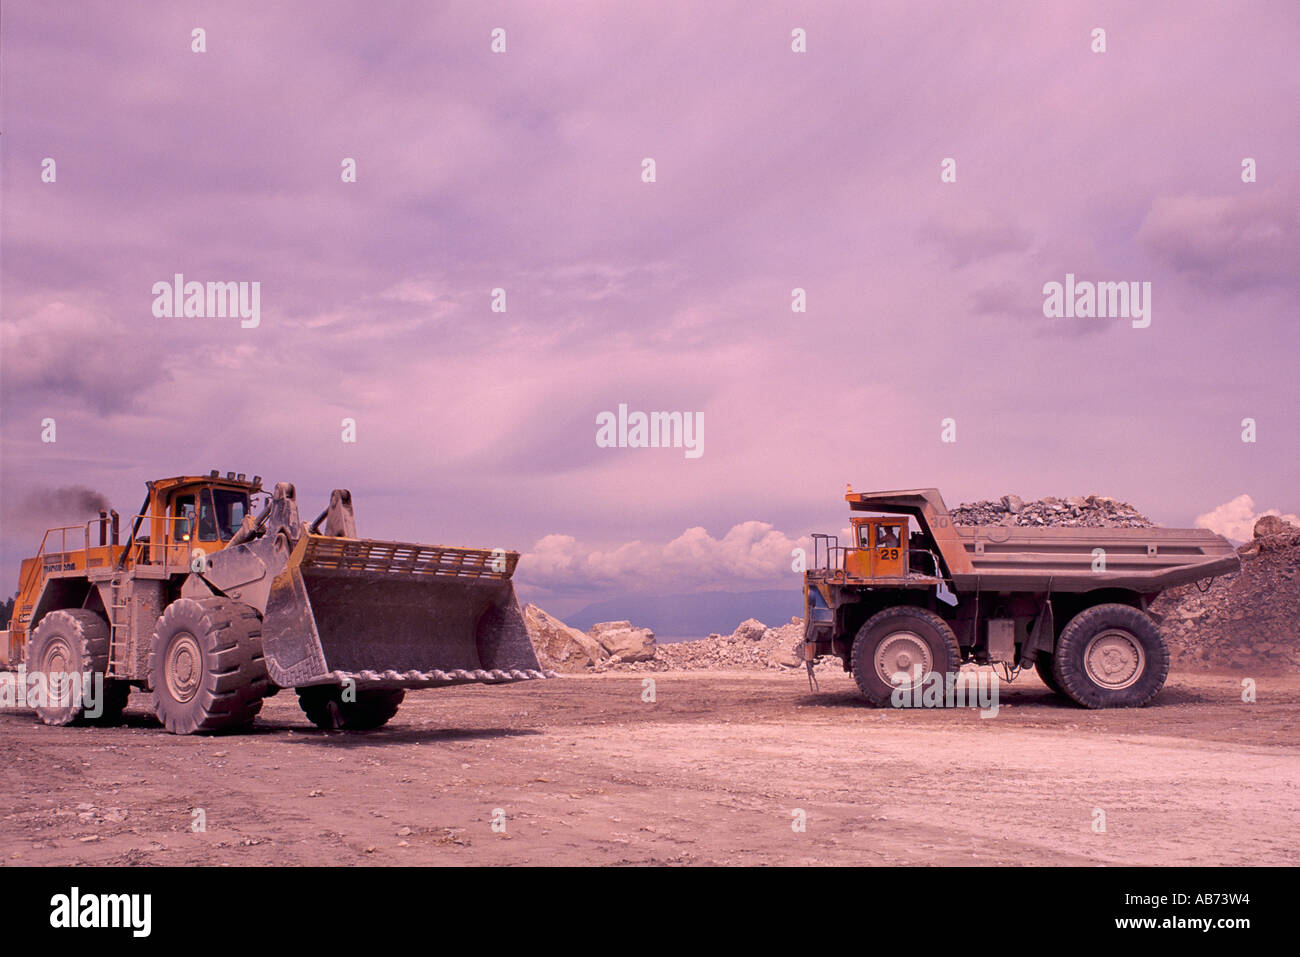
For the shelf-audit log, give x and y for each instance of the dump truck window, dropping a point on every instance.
(863, 540)
(887, 536)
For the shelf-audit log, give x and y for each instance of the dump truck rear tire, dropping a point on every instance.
(324, 706)
(206, 667)
(68, 641)
(1043, 665)
(900, 639)
(1111, 656)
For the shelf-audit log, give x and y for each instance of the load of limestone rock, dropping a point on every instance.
(1077, 511)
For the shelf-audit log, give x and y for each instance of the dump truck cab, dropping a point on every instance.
(880, 550)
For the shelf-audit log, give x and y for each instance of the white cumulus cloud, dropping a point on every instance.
(751, 555)
(1236, 519)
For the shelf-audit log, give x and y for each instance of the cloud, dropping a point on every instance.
(1238, 241)
(522, 171)
(80, 353)
(750, 555)
(1236, 519)
(971, 237)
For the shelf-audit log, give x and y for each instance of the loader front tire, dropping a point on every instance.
(1111, 656)
(206, 667)
(902, 639)
(324, 707)
(67, 642)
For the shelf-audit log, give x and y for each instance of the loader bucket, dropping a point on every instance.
(395, 615)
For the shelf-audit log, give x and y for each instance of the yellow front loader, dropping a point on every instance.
(212, 609)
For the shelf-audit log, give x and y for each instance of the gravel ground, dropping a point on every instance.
(584, 770)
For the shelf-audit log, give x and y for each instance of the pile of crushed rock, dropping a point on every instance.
(753, 646)
(1249, 621)
(1077, 511)
(618, 644)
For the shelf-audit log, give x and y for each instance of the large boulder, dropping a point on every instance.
(1272, 525)
(560, 647)
(786, 644)
(751, 629)
(623, 642)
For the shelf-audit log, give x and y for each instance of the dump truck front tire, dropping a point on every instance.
(206, 667)
(70, 641)
(324, 707)
(1111, 656)
(900, 639)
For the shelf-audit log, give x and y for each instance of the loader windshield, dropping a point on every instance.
(221, 512)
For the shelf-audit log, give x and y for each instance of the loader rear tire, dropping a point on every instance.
(206, 667)
(1111, 656)
(324, 707)
(70, 641)
(899, 639)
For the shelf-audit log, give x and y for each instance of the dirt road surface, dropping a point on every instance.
(584, 771)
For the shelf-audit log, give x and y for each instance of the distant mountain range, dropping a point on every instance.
(674, 617)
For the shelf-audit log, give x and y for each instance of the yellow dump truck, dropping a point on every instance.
(912, 595)
(211, 609)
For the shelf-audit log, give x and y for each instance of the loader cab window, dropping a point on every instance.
(221, 511)
(183, 512)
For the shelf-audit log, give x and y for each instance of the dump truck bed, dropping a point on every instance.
(1146, 560)
(1019, 558)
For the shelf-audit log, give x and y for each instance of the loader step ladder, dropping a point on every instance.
(117, 622)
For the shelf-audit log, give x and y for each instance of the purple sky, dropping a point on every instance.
(775, 170)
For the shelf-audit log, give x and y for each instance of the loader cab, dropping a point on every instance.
(880, 547)
(190, 512)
